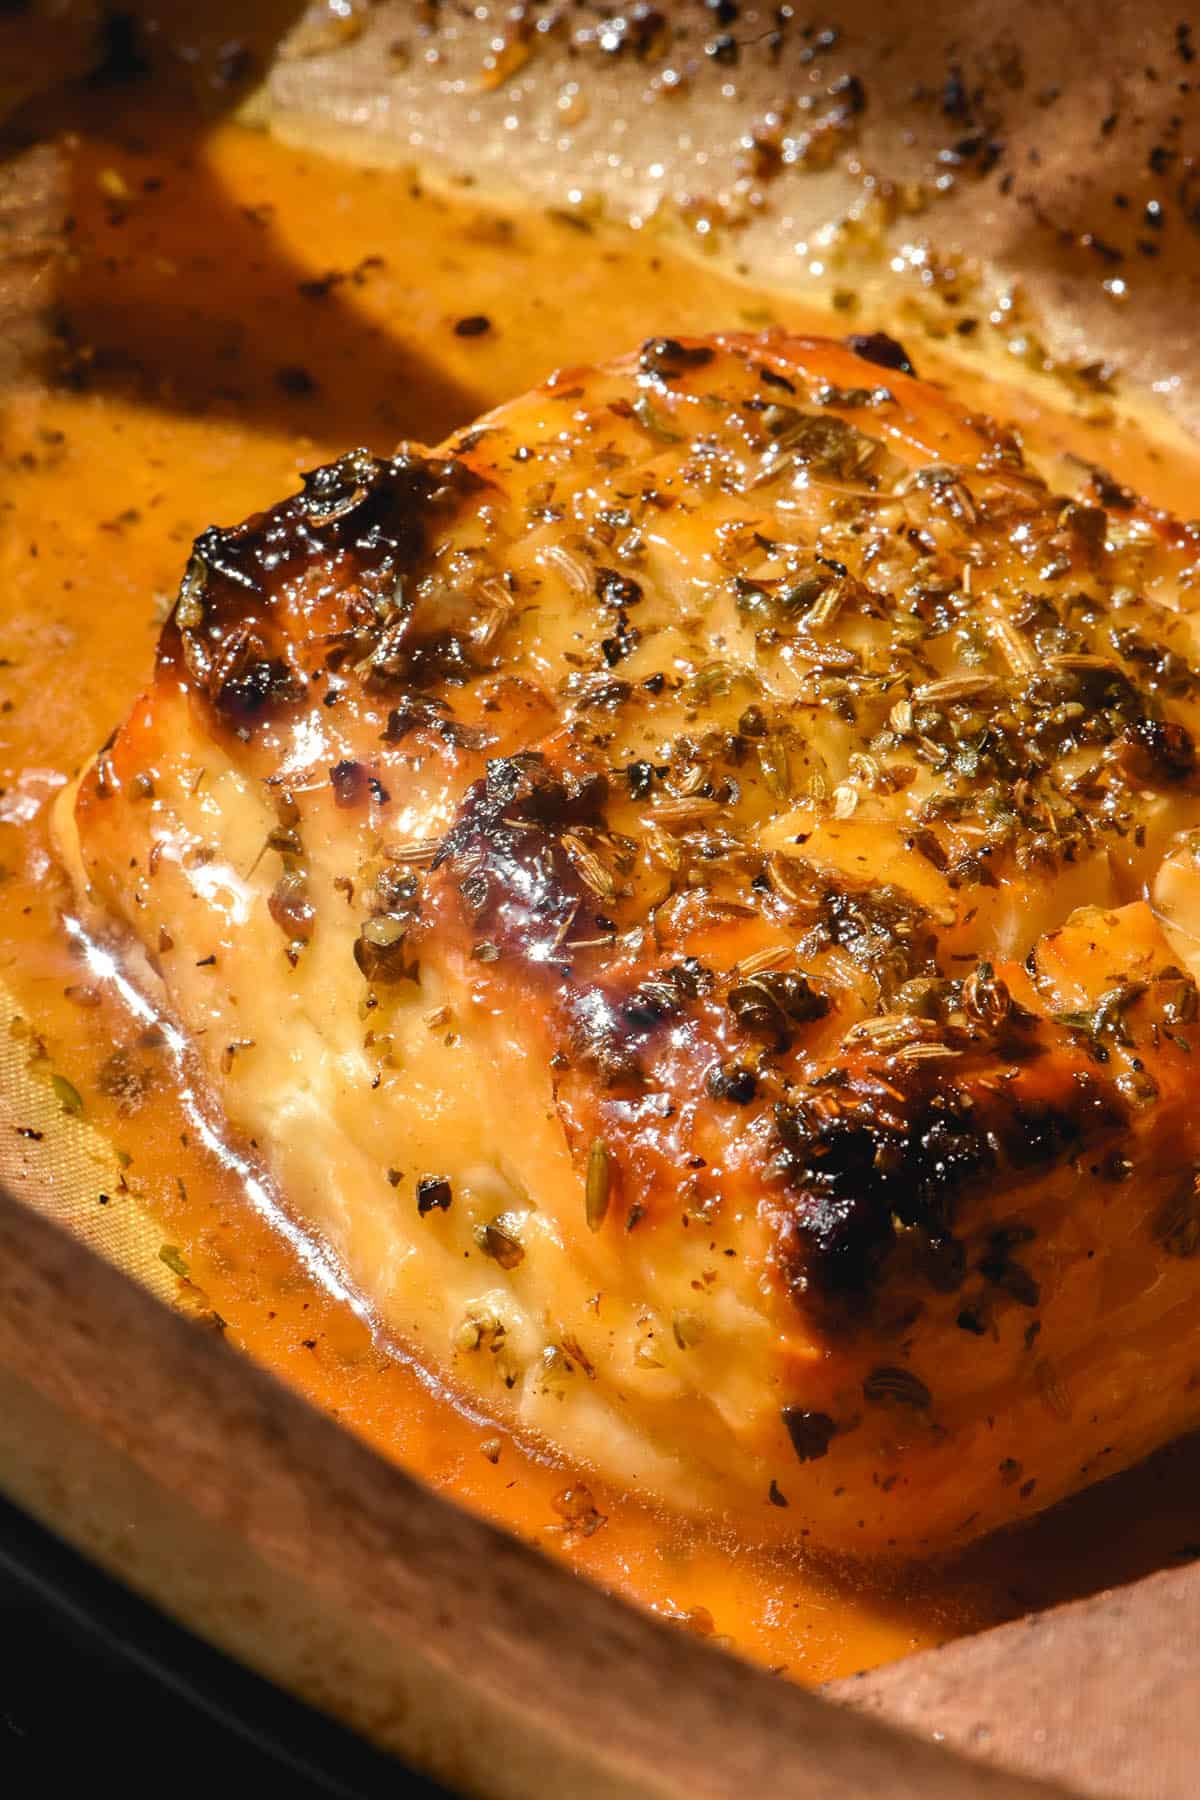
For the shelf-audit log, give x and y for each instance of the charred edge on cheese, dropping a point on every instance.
(869, 1154)
(363, 523)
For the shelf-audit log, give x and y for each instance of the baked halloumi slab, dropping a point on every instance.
(690, 891)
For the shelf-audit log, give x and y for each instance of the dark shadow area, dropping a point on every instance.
(172, 294)
(102, 1676)
(1112, 1533)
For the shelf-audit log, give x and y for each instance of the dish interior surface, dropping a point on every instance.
(230, 313)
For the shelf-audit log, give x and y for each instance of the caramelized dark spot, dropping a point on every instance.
(258, 684)
(621, 644)
(896, 1147)
(1161, 751)
(878, 347)
(733, 1082)
(363, 520)
(640, 777)
(433, 1194)
(417, 713)
(616, 590)
(517, 881)
(667, 358)
(349, 782)
(811, 1433)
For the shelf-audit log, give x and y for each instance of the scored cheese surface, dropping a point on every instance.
(688, 889)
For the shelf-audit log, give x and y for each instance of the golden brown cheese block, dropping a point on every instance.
(688, 890)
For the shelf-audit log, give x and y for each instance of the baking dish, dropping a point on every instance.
(323, 93)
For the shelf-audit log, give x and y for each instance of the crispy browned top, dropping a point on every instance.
(779, 711)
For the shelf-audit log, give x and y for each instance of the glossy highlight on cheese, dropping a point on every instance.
(689, 890)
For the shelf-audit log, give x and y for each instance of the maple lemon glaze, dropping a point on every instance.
(688, 890)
